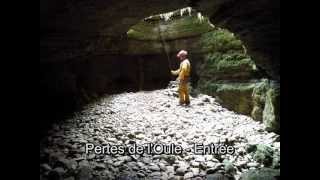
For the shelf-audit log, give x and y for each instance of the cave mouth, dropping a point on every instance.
(221, 65)
(142, 58)
(221, 69)
(155, 41)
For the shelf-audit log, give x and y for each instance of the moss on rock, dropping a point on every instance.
(271, 112)
(261, 174)
(230, 75)
(234, 96)
(183, 27)
(227, 58)
(220, 66)
(258, 99)
(221, 40)
(264, 155)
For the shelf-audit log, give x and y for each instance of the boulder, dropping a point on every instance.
(261, 174)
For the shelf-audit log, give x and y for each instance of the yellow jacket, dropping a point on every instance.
(183, 71)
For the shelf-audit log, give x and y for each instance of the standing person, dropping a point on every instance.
(183, 74)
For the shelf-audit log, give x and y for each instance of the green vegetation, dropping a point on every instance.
(234, 96)
(226, 58)
(271, 112)
(177, 28)
(228, 64)
(227, 72)
(221, 40)
(260, 99)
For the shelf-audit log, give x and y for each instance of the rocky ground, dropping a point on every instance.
(155, 117)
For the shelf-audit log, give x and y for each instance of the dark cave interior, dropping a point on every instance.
(85, 54)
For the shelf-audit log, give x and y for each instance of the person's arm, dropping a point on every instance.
(176, 72)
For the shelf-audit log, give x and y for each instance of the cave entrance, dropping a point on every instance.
(142, 61)
(155, 40)
(221, 66)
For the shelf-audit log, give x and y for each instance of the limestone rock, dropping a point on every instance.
(261, 174)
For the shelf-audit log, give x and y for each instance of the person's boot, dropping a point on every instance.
(187, 99)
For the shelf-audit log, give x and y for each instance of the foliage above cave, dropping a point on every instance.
(221, 40)
(226, 58)
(229, 62)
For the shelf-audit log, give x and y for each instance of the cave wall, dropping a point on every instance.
(257, 24)
(72, 29)
(66, 87)
(82, 42)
